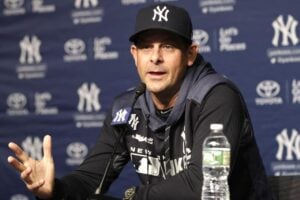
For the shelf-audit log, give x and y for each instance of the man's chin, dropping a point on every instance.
(155, 90)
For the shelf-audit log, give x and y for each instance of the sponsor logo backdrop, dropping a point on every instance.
(62, 63)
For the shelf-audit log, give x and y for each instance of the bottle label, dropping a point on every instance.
(216, 156)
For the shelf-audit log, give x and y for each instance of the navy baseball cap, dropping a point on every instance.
(164, 17)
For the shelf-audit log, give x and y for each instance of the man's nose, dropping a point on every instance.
(156, 55)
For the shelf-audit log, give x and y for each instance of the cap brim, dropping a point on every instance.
(133, 37)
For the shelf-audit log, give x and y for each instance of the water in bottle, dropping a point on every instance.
(215, 165)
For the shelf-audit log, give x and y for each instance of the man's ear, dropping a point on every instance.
(192, 53)
(133, 51)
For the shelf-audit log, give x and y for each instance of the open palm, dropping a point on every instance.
(38, 175)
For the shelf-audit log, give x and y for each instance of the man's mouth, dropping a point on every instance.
(156, 73)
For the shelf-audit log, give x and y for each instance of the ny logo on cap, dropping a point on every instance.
(162, 14)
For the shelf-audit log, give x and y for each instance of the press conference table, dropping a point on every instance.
(285, 187)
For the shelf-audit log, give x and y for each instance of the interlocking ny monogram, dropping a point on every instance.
(30, 50)
(88, 98)
(162, 14)
(288, 31)
(121, 116)
(289, 144)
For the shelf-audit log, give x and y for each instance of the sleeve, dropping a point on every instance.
(84, 181)
(221, 105)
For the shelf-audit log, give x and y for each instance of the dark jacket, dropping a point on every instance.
(205, 97)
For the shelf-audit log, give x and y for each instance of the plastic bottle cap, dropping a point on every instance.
(216, 127)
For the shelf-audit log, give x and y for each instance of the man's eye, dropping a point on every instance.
(168, 47)
(145, 47)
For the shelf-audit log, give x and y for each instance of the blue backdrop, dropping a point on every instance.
(62, 62)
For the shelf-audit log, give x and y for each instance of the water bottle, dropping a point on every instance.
(215, 165)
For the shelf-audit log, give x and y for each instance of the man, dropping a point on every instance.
(164, 132)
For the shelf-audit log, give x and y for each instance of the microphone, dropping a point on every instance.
(140, 89)
(120, 119)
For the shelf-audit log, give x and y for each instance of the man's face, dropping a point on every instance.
(161, 59)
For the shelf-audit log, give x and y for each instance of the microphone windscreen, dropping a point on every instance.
(140, 89)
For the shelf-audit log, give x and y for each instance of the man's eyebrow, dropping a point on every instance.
(167, 39)
(171, 40)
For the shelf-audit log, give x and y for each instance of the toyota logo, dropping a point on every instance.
(13, 4)
(16, 100)
(74, 46)
(19, 197)
(77, 150)
(200, 36)
(268, 89)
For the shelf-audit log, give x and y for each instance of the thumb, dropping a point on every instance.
(47, 147)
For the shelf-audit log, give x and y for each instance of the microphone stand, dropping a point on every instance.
(116, 144)
(98, 193)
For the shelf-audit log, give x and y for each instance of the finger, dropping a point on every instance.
(16, 164)
(35, 186)
(47, 147)
(25, 175)
(22, 155)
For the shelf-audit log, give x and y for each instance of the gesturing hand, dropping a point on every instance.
(38, 175)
